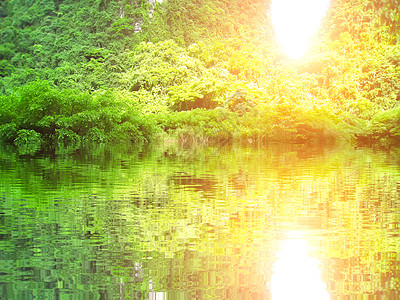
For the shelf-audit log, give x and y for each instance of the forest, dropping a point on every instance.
(74, 73)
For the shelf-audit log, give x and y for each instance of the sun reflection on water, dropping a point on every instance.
(296, 275)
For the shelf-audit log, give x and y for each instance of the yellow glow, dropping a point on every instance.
(295, 21)
(296, 275)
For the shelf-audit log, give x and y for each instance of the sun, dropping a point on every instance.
(295, 21)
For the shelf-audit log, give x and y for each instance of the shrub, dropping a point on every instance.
(39, 114)
(67, 138)
(28, 141)
(8, 132)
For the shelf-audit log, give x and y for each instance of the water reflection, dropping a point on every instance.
(296, 274)
(200, 224)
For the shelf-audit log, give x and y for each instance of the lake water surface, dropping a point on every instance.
(278, 222)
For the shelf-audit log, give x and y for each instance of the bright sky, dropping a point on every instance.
(295, 21)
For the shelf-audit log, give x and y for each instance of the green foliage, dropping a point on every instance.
(389, 12)
(197, 93)
(67, 138)
(8, 132)
(5, 68)
(87, 71)
(39, 114)
(191, 21)
(28, 141)
(384, 128)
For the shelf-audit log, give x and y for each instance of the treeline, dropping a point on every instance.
(74, 72)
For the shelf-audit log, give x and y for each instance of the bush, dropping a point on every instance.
(384, 128)
(28, 141)
(8, 132)
(38, 114)
(67, 138)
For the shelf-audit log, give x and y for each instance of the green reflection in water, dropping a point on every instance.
(196, 223)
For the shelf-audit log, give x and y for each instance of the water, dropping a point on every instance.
(280, 222)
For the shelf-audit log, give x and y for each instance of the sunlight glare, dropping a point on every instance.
(295, 21)
(296, 275)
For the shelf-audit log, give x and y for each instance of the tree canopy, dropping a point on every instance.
(201, 69)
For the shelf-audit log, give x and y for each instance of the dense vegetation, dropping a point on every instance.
(74, 72)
